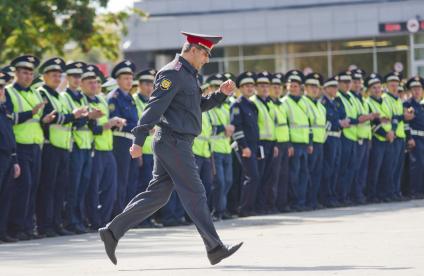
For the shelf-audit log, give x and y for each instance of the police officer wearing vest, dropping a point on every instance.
(317, 118)
(364, 137)
(222, 130)
(300, 139)
(202, 152)
(415, 137)
(145, 80)
(26, 106)
(267, 145)
(233, 196)
(122, 104)
(244, 117)
(80, 158)
(381, 160)
(57, 126)
(400, 116)
(336, 120)
(349, 138)
(9, 168)
(102, 188)
(175, 106)
(281, 167)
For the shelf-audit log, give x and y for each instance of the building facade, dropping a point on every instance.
(326, 36)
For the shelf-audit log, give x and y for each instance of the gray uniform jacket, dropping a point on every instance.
(177, 102)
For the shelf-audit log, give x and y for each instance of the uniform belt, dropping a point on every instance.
(417, 132)
(337, 134)
(123, 134)
(168, 132)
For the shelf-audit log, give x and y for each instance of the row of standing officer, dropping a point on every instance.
(315, 149)
(68, 149)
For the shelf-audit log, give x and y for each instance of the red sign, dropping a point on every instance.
(397, 27)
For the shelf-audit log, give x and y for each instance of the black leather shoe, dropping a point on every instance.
(183, 221)
(76, 230)
(8, 239)
(218, 254)
(49, 233)
(151, 223)
(22, 236)
(170, 223)
(63, 232)
(226, 216)
(37, 236)
(110, 243)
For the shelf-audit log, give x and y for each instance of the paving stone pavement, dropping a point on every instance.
(379, 239)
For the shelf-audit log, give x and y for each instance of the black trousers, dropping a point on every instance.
(174, 167)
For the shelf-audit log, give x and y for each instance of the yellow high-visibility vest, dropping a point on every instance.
(30, 131)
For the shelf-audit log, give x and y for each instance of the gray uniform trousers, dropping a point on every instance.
(174, 167)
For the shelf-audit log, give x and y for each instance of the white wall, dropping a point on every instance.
(265, 21)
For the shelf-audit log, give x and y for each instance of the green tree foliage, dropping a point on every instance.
(48, 26)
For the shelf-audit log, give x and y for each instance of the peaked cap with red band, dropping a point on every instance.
(206, 41)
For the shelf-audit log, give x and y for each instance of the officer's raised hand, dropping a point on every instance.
(49, 117)
(227, 87)
(80, 112)
(136, 151)
(95, 114)
(38, 107)
(390, 136)
(229, 130)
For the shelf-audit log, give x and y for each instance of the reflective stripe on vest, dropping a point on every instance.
(220, 116)
(83, 137)
(363, 129)
(103, 141)
(59, 135)
(147, 147)
(384, 111)
(30, 131)
(396, 107)
(265, 122)
(281, 124)
(349, 132)
(201, 145)
(298, 121)
(317, 116)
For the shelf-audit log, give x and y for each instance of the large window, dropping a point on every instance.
(386, 61)
(305, 47)
(343, 62)
(326, 57)
(260, 65)
(316, 64)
